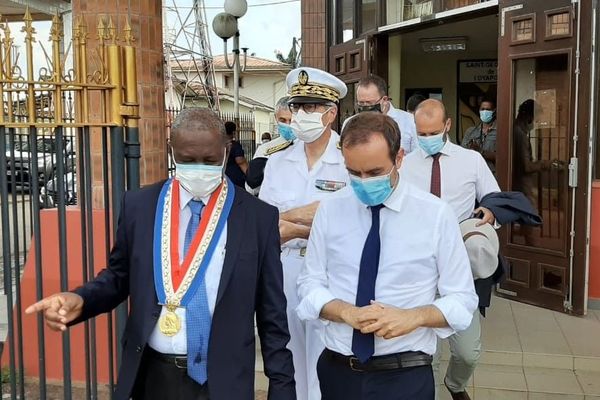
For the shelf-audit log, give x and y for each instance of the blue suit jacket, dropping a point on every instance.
(251, 282)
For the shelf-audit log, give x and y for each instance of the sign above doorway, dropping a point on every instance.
(478, 71)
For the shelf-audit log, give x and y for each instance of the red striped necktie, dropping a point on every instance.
(436, 179)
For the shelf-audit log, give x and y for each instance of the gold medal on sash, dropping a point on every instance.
(172, 294)
(170, 323)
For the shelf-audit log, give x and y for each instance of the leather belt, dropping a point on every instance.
(407, 359)
(179, 361)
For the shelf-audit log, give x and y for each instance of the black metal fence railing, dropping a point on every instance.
(19, 168)
(55, 153)
(246, 133)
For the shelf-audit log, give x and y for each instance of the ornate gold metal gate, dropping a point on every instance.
(69, 141)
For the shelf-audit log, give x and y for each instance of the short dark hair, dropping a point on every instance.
(378, 81)
(488, 99)
(230, 128)
(198, 118)
(265, 135)
(413, 102)
(361, 127)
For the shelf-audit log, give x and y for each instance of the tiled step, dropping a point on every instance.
(501, 382)
(523, 359)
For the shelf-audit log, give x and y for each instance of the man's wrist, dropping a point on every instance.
(289, 216)
(345, 312)
(420, 316)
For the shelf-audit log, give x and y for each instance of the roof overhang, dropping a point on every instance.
(13, 10)
(457, 14)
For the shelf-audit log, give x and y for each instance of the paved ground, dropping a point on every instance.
(533, 353)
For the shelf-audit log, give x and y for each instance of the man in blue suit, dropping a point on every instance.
(198, 259)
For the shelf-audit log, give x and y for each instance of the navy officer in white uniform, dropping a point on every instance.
(295, 180)
(377, 255)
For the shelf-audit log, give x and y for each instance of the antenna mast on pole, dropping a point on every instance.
(187, 52)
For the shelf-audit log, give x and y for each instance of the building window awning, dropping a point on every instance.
(440, 16)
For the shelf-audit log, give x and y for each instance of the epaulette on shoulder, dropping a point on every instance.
(279, 147)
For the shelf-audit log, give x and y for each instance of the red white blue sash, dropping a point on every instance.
(176, 282)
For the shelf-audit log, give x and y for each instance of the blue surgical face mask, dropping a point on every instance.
(486, 116)
(432, 144)
(372, 191)
(286, 131)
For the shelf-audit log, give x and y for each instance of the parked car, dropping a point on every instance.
(19, 160)
(49, 192)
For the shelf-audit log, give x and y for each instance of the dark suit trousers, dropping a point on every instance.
(339, 382)
(160, 380)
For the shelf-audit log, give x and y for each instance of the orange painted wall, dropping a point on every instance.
(594, 282)
(51, 284)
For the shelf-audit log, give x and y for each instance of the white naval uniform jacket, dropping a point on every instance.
(288, 183)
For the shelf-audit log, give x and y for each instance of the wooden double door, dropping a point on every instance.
(542, 147)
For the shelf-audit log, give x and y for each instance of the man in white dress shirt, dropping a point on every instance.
(371, 95)
(295, 180)
(377, 255)
(460, 177)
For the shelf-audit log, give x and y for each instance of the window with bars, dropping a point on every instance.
(523, 30)
(558, 24)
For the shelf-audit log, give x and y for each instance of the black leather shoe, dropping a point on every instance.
(458, 395)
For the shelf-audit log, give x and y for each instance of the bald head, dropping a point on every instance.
(432, 108)
(198, 136)
(431, 118)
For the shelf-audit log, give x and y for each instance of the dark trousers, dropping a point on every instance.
(158, 379)
(339, 382)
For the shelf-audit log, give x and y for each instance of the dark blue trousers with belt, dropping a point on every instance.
(340, 382)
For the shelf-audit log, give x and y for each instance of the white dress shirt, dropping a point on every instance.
(408, 129)
(288, 183)
(465, 176)
(177, 344)
(422, 252)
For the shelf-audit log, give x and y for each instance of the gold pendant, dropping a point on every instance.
(169, 323)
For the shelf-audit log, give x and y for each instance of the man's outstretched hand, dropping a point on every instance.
(59, 309)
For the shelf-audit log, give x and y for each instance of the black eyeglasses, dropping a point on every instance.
(369, 104)
(308, 108)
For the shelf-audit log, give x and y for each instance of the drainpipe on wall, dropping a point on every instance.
(591, 144)
(568, 303)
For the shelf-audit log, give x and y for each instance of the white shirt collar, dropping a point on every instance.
(330, 156)
(394, 202)
(185, 197)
